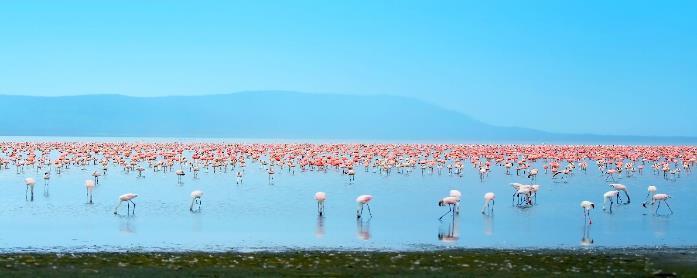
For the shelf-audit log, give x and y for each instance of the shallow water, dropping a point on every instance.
(258, 215)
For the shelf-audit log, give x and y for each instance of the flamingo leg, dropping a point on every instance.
(671, 210)
(446, 213)
(368, 205)
(134, 206)
(627, 194)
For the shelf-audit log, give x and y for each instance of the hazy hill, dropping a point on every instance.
(259, 115)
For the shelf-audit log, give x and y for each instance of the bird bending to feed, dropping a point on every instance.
(587, 207)
(608, 197)
(196, 199)
(488, 202)
(89, 185)
(320, 197)
(457, 194)
(449, 201)
(623, 188)
(30, 182)
(128, 198)
(660, 198)
(649, 196)
(362, 201)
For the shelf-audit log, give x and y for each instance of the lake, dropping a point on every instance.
(258, 215)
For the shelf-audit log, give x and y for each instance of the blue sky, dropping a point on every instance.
(607, 67)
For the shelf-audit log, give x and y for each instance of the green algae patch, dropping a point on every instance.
(499, 263)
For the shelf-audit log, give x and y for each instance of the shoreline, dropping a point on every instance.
(496, 262)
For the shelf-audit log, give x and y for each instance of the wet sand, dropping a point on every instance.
(479, 262)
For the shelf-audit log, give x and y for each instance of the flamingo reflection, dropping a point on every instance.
(450, 232)
(319, 230)
(363, 228)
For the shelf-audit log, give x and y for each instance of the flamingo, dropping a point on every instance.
(651, 191)
(449, 201)
(128, 198)
(587, 207)
(180, 174)
(239, 177)
(195, 199)
(320, 197)
(607, 197)
(658, 198)
(610, 174)
(488, 198)
(363, 200)
(89, 185)
(96, 175)
(271, 173)
(623, 188)
(30, 182)
(533, 174)
(457, 194)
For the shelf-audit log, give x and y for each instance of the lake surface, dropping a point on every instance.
(256, 215)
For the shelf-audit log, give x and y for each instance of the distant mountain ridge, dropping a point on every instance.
(268, 114)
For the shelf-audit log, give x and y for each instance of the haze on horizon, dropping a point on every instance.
(616, 68)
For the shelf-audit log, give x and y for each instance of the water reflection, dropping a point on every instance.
(659, 224)
(363, 228)
(319, 229)
(46, 190)
(126, 225)
(450, 232)
(489, 224)
(586, 239)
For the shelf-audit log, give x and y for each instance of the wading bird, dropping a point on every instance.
(362, 201)
(195, 199)
(488, 202)
(587, 207)
(89, 185)
(320, 197)
(128, 198)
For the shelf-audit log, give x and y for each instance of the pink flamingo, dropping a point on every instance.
(320, 197)
(363, 200)
(623, 188)
(610, 174)
(128, 198)
(30, 182)
(449, 201)
(660, 198)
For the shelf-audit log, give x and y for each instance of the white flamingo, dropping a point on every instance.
(128, 198)
(623, 188)
(489, 202)
(449, 201)
(587, 207)
(89, 185)
(195, 199)
(607, 197)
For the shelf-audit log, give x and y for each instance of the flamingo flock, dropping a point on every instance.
(560, 162)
